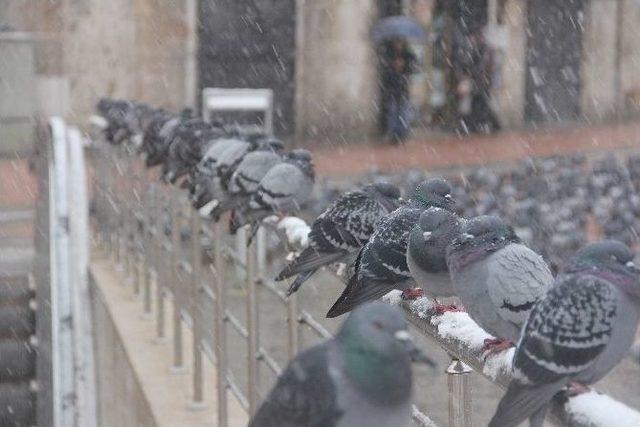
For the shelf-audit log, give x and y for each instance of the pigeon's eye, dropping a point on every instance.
(378, 325)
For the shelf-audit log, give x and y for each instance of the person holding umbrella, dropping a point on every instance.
(398, 63)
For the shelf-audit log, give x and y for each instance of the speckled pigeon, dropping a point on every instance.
(284, 190)
(381, 265)
(576, 334)
(360, 378)
(497, 278)
(427, 252)
(342, 229)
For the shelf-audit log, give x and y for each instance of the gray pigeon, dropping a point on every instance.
(427, 252)
(497, 278)
(381, 265)
(342, 229)
(285, 189)
(246, 177)
(203, 183)
(360, 378)
(576, 334)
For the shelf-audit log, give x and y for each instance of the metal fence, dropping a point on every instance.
(169, 252)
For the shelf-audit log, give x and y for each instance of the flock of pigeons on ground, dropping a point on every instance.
(570, 326)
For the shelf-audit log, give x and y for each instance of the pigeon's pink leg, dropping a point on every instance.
(411, 294)
(496, 345)
(576, 389)
(440, 309)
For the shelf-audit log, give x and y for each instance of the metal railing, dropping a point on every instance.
(168, 251)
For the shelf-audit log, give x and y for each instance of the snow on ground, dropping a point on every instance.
(599, 410)
(296, 230)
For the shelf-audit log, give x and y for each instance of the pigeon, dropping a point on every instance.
(360, 378)
(190, 142)
(246, 177)
(205, 184)
(342, 229)
(576, 334)
(285, 189)
(381, 265)
(427, 252)
(497, 278)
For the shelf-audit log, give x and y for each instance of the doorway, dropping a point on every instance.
(554, 57)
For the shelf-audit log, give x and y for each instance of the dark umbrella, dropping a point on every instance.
(399, 26)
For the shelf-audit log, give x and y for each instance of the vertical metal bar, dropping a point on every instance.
(252, 327)
(148, 247)
(196, 288)
(292, 325)
(261, 250)
(160, 284)
(220, 342)
(459, 383)
(178, 358)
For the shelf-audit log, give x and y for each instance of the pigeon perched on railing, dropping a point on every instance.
(576, 334)
(497, 278)
(381, 265)
(284, 190)
(246, 176)
(427, 252)
(341, 230)
(190, 142)
(362, 377)
(158, 144)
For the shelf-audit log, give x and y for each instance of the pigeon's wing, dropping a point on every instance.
(384, 257)
(304, 395)
(357, 293)
(517, 277)
(565, 333)
(284, 188)
(251, 170)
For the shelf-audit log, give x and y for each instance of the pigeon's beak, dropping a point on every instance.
(414, 352)
(427, 235)
(448, 196)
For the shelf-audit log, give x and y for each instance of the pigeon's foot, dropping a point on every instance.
(411, 294)
(576, 389)
(495, 346)
(440, 309)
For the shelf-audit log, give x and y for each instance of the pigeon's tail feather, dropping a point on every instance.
(357, 293)
(302, 277)
(309, 259)
(523, 401)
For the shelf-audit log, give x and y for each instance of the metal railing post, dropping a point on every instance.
(160, 276)
(148, 246)
(196, 288)
(459, 384)
(292, 325)
(174, 257)
(220, 339)
(252, 328)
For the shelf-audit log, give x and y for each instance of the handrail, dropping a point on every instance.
(455, 332)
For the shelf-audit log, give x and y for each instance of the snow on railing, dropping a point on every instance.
(134, 210)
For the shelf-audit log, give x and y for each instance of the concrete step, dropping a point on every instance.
(17, 361)
(17, 405)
